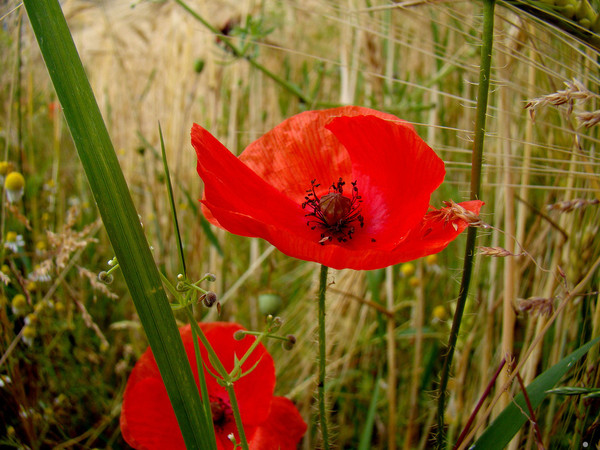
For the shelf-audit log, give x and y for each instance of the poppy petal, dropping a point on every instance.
(301, 149)
(282, 430)
(232, 184)
(253, 392)
(147, 417)
(397, 172)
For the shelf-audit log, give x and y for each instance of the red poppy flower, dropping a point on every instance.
(270, 423)
(347, 187)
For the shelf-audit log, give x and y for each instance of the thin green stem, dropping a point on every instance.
(476, 158)
(226, 40)
(322, 356)
(236, 414)
(202, 380)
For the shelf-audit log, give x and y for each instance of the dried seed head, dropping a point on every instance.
(537, 305)
(571, 205)
(497, 252)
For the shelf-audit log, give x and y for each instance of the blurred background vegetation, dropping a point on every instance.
(68, 342)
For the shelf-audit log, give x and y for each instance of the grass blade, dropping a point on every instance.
(508, 423)
(172, 203)
(118, 213)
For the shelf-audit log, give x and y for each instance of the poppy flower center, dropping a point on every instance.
(334, 213)
(220, 410)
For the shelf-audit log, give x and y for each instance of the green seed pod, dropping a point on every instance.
(269, 303)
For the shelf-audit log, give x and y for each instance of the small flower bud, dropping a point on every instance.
(105, 277)
(180, 276)
(239, 335)
(210, 277)
(209, 299)
(289, 343)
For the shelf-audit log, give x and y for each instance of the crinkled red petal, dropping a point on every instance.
(230, 183)
(396, 172)
(147, 417)
(301, 149)
(254, 391)
(282, 430)
(259, 195)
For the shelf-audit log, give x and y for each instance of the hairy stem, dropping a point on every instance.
(322, 357)
(476, 158)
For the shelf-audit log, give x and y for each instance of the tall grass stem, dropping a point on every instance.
(476, 159)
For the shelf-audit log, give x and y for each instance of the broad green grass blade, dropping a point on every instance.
(508, 423)
(118, 213)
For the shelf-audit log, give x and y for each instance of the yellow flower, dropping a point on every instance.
(414, 281)
(439, 313)
(407, 269)
(14, 184)
(19, 304)
(431, 260)
(5, 168)
(14, 181)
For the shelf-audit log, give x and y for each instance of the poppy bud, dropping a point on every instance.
(105, 277)
(210, 277)
(289, 343)
(239, 335)
(209, 299)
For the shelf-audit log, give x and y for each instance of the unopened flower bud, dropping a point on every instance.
(210, 277)
(239, 335)
(105, 277)
(210, 298)
(289, 343)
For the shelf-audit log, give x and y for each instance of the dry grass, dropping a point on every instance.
(418, 60)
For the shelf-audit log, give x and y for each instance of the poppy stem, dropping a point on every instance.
(476, 159)
(322, 357)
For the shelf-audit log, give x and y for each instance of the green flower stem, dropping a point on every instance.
(202, 379)
(236, 414)
(322, 357)
(476, 158)
(120, 218)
